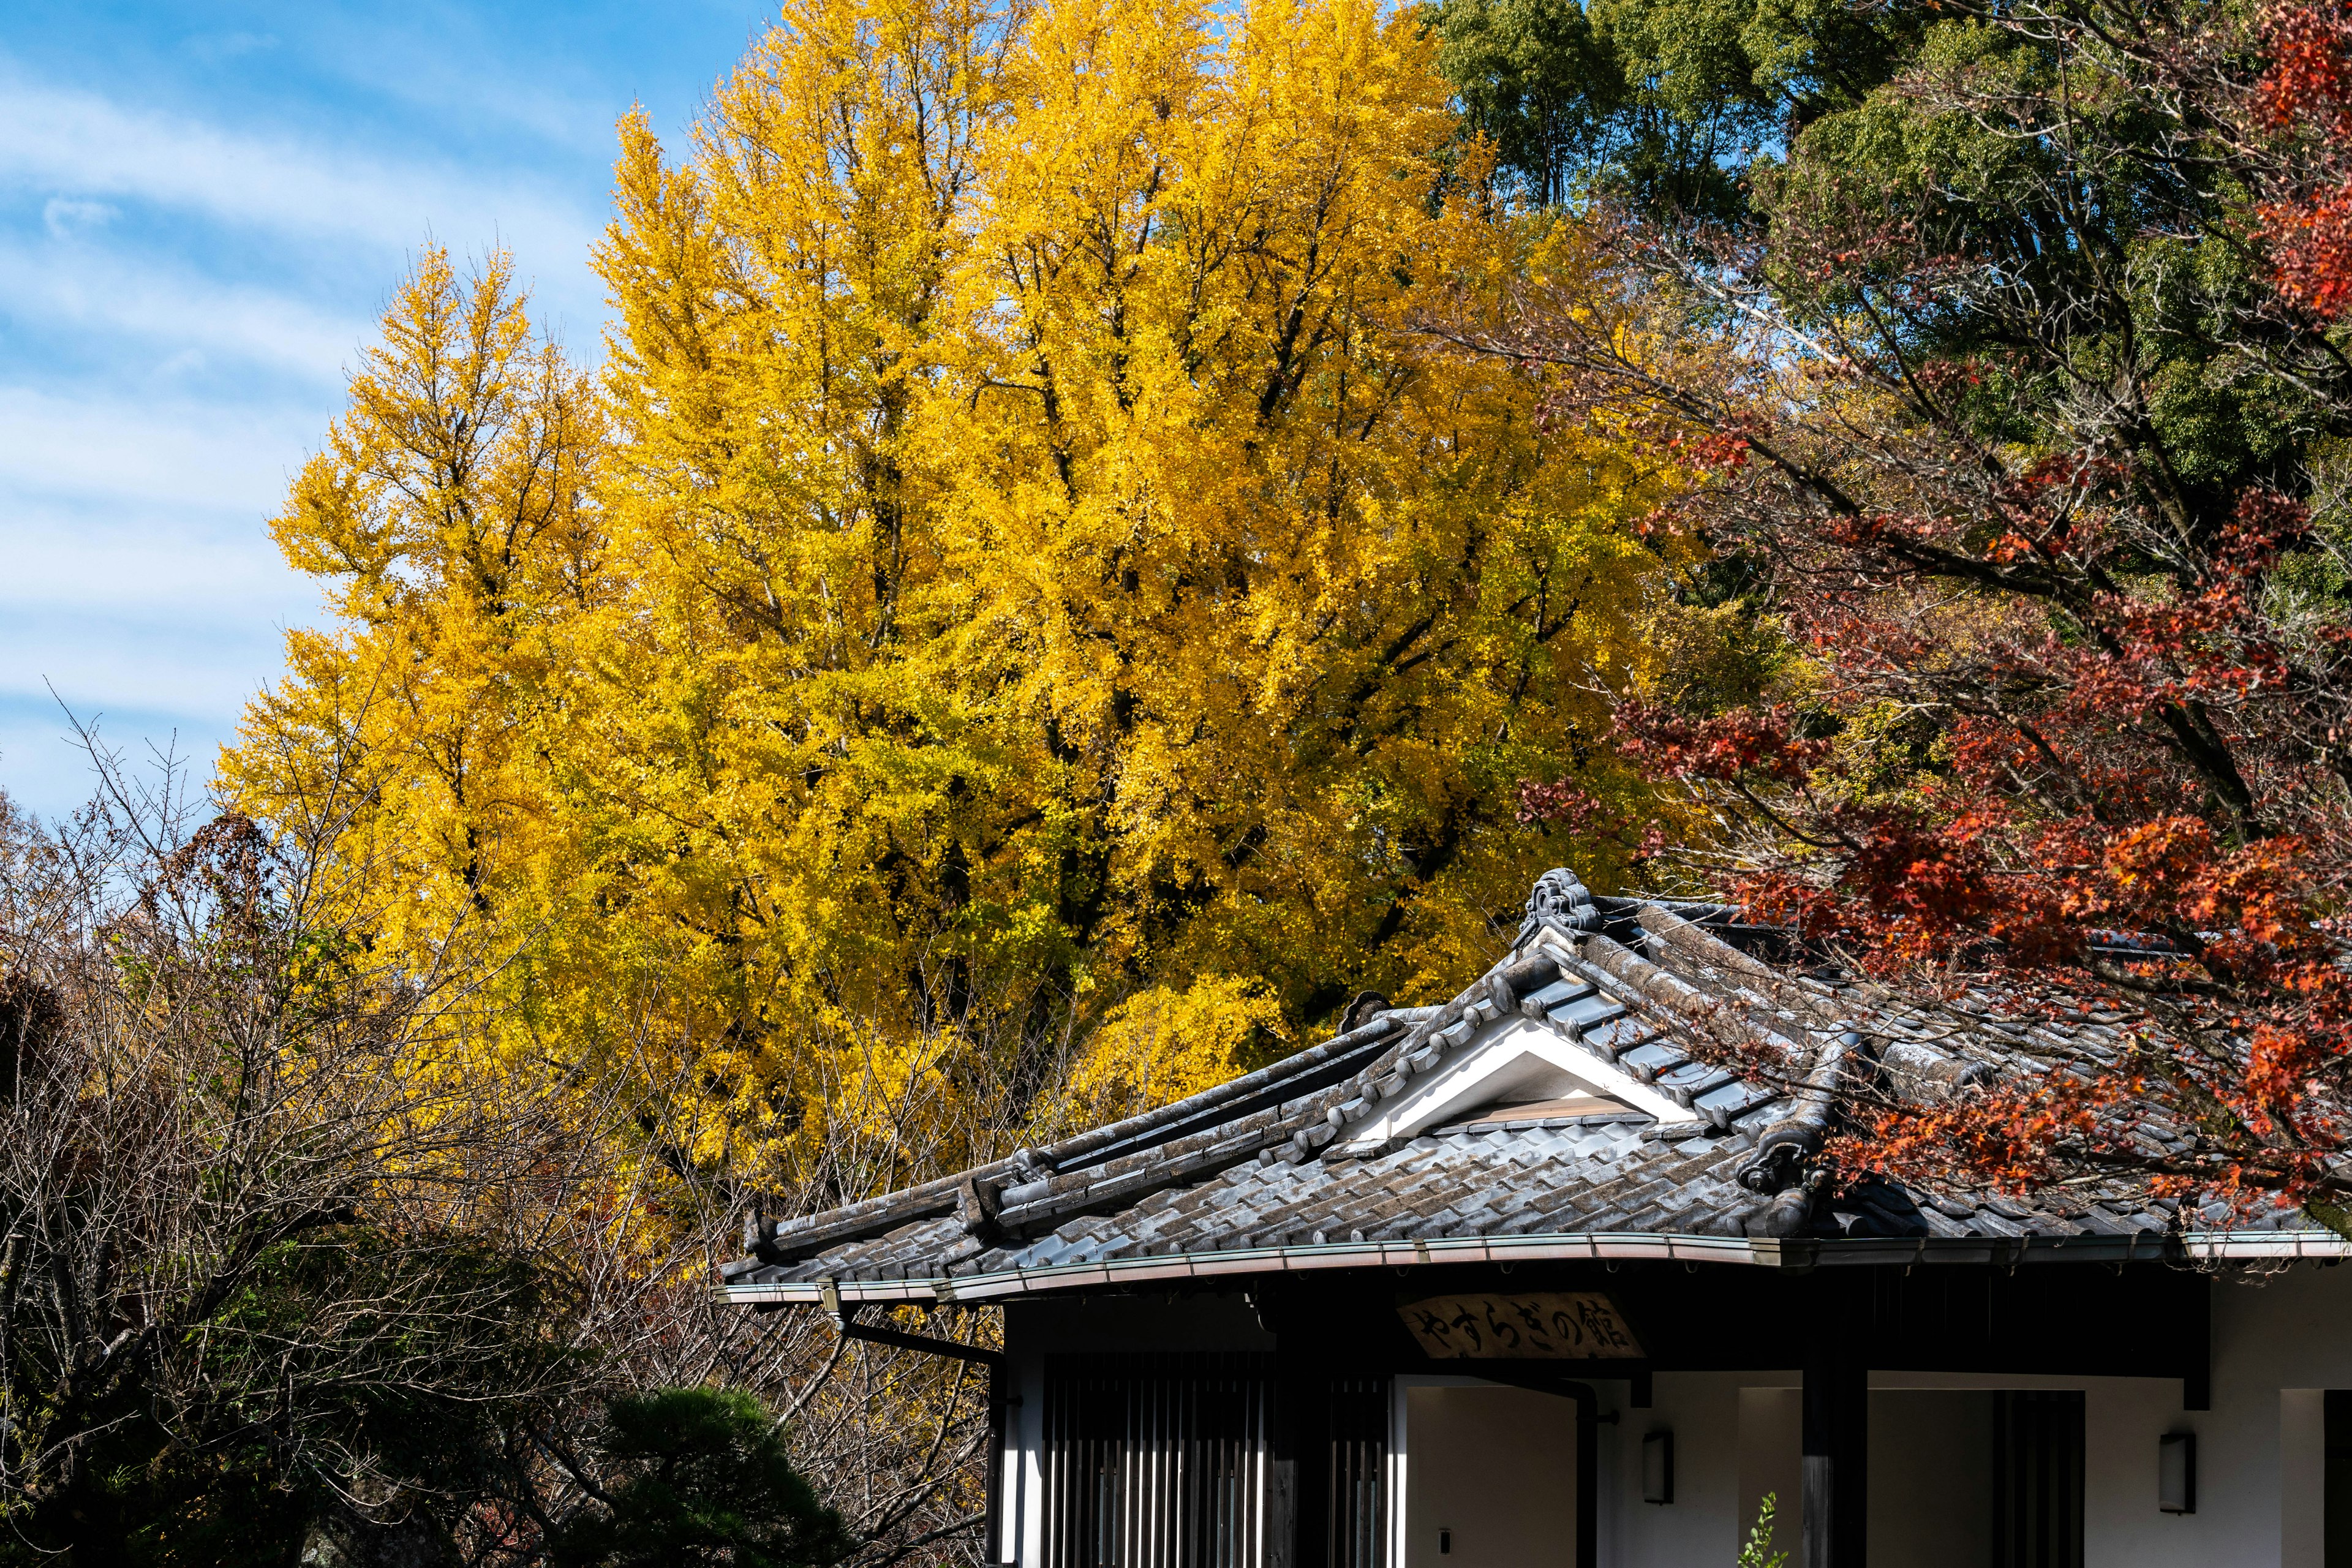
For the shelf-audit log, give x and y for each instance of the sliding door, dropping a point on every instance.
(2037, 1464)
(1155, 1461)
(1211, 1462)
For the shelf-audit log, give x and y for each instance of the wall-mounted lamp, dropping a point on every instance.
(1658, 1467)
(2176, 1472)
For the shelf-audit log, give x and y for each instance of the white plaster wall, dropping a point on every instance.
(1771, 1429)
(2122, 1419)
(1725, 1442)
(1738, 1436)
(2277, 1342)
(1496, 1468)
(2303, 1475)
(1024, 1442)
(1732, 1443)
(2122, 1527)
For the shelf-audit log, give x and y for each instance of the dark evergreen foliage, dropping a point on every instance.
(704, 1478)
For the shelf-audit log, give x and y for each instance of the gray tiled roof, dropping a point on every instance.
(1280, 1169)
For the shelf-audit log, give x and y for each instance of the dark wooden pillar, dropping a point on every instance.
(1588, 1476)
(1292, 1415)
(1000, 1403)
(1836, 1447)
(2197, 1351)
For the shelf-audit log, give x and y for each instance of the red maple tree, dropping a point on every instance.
(2025, 436)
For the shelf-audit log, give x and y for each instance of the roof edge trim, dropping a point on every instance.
(2261, 1245)
(1794, 1252)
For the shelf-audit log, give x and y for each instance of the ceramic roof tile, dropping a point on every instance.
(1267, 1161)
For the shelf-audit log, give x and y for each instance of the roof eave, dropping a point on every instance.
(1770, 1252)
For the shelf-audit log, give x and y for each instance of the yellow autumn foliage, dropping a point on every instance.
(450, 515)
(1027, 621)
(1163, 1043)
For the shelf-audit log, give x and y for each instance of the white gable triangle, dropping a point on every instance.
(1512, 1061)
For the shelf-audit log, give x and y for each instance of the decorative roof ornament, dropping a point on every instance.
(1362, 1010)
(1562, 901)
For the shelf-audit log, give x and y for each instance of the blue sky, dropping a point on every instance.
(202, 210)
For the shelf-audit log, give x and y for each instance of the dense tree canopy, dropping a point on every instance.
(2021, 412)
(1663, 105)
(1024, 610)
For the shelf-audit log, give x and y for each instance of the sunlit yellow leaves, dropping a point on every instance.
(451, 518)
(1163, 1043)
(1053, 625)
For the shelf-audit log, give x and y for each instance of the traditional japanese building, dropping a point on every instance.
(1522, 1279)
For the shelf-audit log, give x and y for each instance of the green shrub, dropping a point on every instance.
(698, 1476)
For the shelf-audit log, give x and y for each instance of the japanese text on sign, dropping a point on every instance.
(1572, 1325)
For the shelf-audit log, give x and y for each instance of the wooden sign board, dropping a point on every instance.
(1553, 1325)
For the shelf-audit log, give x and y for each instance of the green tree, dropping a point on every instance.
(698, 1476)
(1665, 104)
(1533, 78)
(268, 1240)
(2126, 291)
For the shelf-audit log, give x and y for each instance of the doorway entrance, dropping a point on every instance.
(1490, 1479)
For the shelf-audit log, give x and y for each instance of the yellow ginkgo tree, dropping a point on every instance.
(451, 513)
(1037, 626)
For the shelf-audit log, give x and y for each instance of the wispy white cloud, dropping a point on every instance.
(140, 573)
(158, 623)
(81, 145)
(208, 572)
(61, 217)
(142, 586)
(95, 662)
(185, 272)
(44, 766)
(160, 614)
(185, 455)
(476, 81)
(94, 290)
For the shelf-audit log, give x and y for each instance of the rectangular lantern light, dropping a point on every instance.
(2176, 1472)
(1658, 1467)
